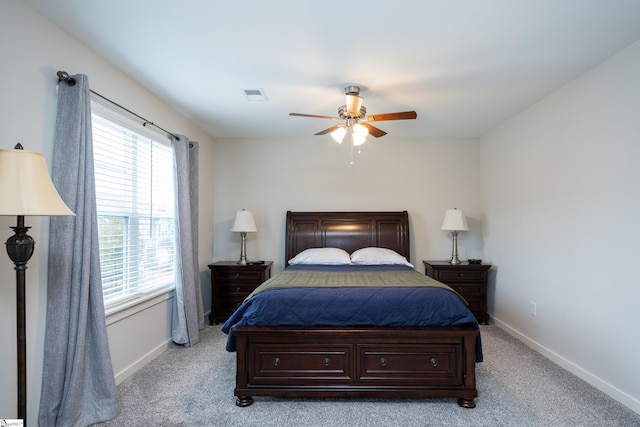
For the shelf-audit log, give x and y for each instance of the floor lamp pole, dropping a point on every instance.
(20, 248)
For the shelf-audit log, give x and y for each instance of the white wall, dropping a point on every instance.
(560, 191)
(269, 177)
(32, 50)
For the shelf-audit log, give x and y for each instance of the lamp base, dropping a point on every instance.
(243, 249)
(454, 252)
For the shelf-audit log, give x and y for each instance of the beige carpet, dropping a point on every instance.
(516, 386)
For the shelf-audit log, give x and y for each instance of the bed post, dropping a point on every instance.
(241, 374)
(470, 368)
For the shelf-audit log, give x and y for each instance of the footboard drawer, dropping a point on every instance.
(411, 364)
(300, 364)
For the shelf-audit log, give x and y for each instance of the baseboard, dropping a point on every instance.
(140, 363)
(617, 394)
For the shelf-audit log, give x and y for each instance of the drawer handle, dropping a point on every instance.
(383, 362)
(237, 289)
(236, 275)
(276, 361)
(326, 361)
(433, 362)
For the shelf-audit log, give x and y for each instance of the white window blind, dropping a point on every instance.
(135, 207)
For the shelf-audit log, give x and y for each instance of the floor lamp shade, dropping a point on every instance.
(454, 221)
(244, 224)
(25, 189)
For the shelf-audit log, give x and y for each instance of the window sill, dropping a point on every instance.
(120, 312)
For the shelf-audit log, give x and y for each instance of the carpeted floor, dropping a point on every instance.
(516, 387)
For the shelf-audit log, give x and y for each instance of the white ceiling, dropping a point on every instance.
(465, 66)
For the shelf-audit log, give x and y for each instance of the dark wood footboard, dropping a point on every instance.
(356, 362)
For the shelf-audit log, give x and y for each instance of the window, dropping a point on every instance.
(136, 208)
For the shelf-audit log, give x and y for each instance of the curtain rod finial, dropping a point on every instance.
(63, 76)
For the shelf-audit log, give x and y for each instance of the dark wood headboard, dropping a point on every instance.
(347, 230)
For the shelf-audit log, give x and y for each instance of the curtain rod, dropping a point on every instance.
(63, 76)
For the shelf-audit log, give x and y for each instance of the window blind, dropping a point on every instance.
(136, 209)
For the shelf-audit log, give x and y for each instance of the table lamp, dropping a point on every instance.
(454, 221)
(244, 224)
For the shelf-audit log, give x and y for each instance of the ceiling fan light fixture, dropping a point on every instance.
(359, 134)
(338, 134)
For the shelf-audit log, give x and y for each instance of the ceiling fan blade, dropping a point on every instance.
(405, 115)
(313, 116)
(329, 130)
(374, 130)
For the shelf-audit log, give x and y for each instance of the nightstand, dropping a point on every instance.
(231, 283)
(469, 280)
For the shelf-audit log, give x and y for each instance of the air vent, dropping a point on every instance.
(255, 94)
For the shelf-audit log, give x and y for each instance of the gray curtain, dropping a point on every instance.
(78, 385)
(188, 312)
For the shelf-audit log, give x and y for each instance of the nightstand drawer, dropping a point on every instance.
(460, 276)
(228, 304)
(475, 304)
(467, 290)
(237, 275)
(234, 289)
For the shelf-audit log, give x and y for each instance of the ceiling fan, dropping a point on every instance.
(354, 117)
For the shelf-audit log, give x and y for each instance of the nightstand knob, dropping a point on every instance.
(460, 274)
(326, 362)
(238, 289)
(276, 361)
(236, 276)
(383, 362)
(433, 362)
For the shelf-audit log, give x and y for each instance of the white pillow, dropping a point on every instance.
(378, 256)
(327, 256)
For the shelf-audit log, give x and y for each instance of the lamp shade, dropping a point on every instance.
(244, 222)
(454, 220)
(338, 134)
(360, 133)
(26, 187)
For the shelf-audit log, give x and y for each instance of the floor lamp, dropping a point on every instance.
(25, 189)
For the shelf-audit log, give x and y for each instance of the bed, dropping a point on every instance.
(324, 357)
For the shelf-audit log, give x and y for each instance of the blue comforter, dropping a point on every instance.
(352, 306)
